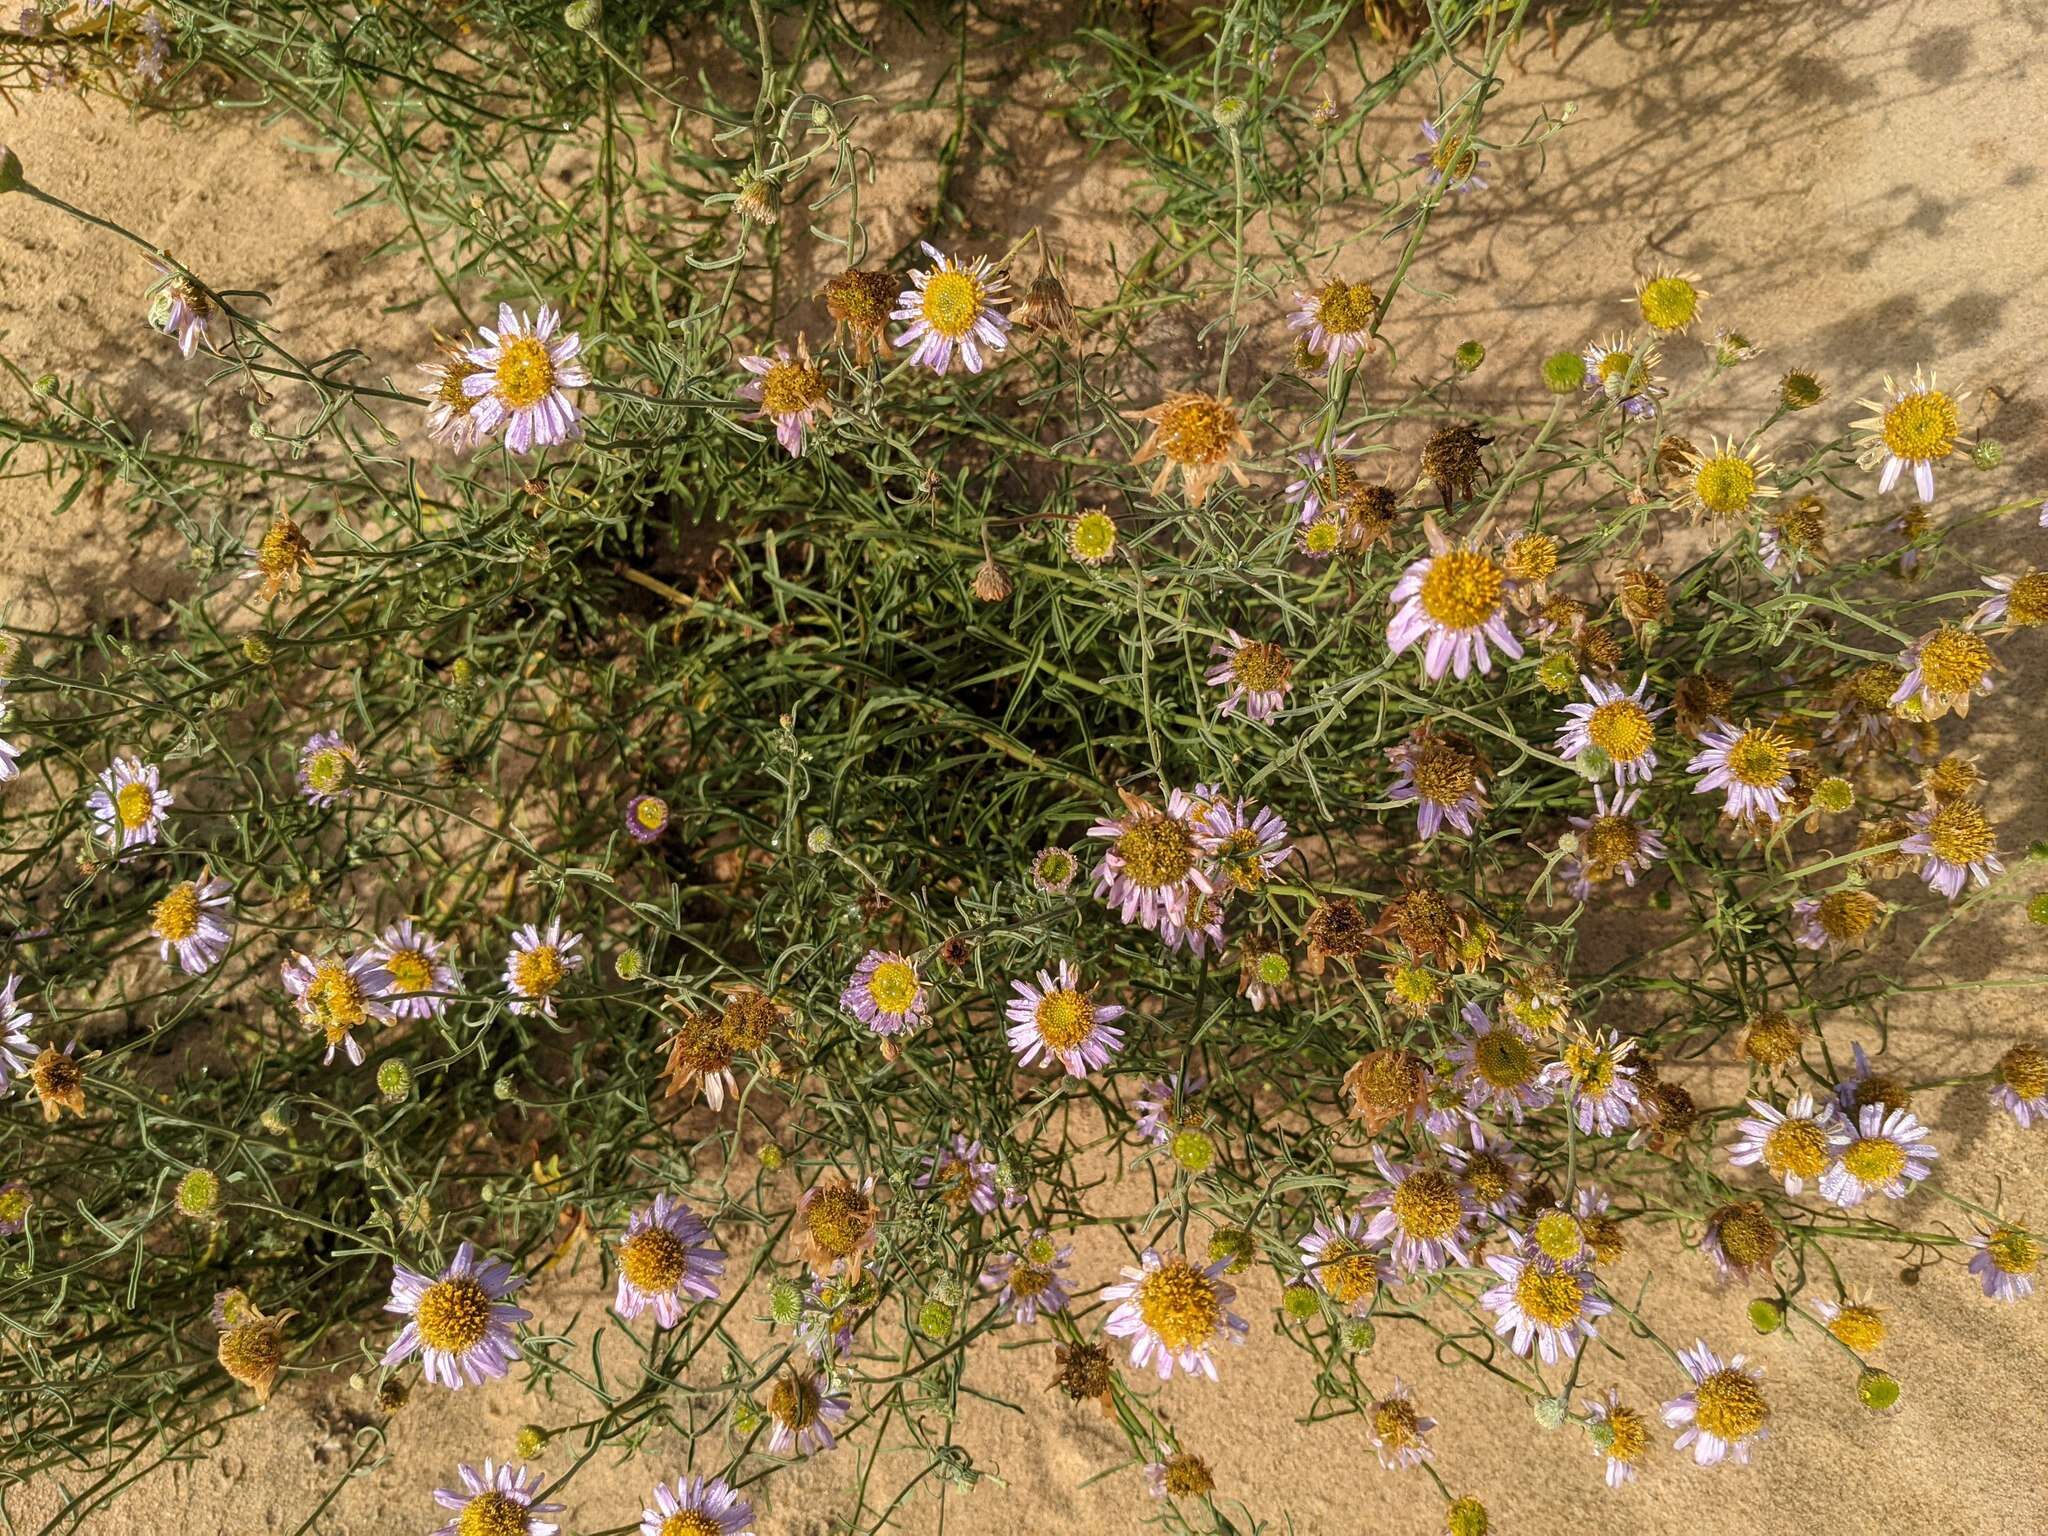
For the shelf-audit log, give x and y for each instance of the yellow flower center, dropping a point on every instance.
(1859, 1327)
(14, 1206)
(251, 1352)
(57, 1076)
(1443, 775)
(2013, 1251)
(1879, 1088)
(1157, 851)
(1553, 1299)
(492, 1514)
(1502, 1058)
(893, 986)
(1611, 842)
(335, 998)
(1396, 1424)
(1454, 156)
(1953, 661)
(176, 917)
(748, 1020)
(1725, 484)
(653, 1260)
(1489, 1178)
(1846, 915)
(650, 813)
(1669, 303)
(838, 1217)
(2024, 1069)
(691, 1522)
(790, 387)
(1028, 1280)
(330, 770)
(1747, 1236)
(952, 303)
(1346, 309)
(1730, 1405)
(1590, 1066)
(1960, 834)
(794, 1401)
(525, 374)
(133, 805)
(1064, 1018)
(1615, 365)
(1187, 1476)
(538, 971)
(454, 1315)
(1621, 729)
(1629, 1435)
(1759, 758)
(1196, 429)
(1347, 1271)
(1427, 1204)
(1179, 1303)
(1875, 1159)
(448, 392)
(2026, 605)
(1462, 589)
(1922, 425)
(1798, 1147)
(410, 970)
(1093, 537)
(1260, 666)
(1558, 1236)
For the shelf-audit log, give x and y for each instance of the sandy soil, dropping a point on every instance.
(1848, 181)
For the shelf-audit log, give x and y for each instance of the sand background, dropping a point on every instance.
(1860, 186)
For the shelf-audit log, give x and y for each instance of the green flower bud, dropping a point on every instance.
(1358, 1335)
(256, 650)
(1300, 1302)
(199, 1194)
(44, 386)
(2037, 909)
(1988, 454)
(771, 1157)
(1766, 1314)
(1551, 1412)
(1193, 1150)
(582, 15)
(1231, 111)
(935, 1320)
(1232, 1247)
(279, 1116)
(1564, 373)
(785, 1303)
(1466, 1517)
(820, 840)
(628, 964)
(530, 1441)
(1468, 357)
(394, 1081)
(1877, 1390)
(1800, 390)
(948, 1289)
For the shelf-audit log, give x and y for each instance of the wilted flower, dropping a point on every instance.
(451, 409)
(790, 391)
(329, 769)
(2022, 1086)
(1944, 668)
(183, 310)
(1619, 1433)
(838, 1219)
(281, 558)
(1444, 778)
(1602, 1080)
(1199, 435)
(1028, 1281)
(1452, 159)
(858, 303)
(1611, 842)
(1337, 1257)
(803, 1412)
(1397, 1430)
(251, 1347)
(1336, 320)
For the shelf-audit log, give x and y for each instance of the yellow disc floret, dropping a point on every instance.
(1178, 1302)
(453, 1315)
(1462, 589)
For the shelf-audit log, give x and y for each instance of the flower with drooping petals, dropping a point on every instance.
(1624, 372)
(885, 993)
(2016, 602)
(1888, 1154)
(838, 1219)
(1028, 1281)
(451, 409)
(1174, 1312)
(803, 1412)
(1837, 918)
(1199, 435)
(1424, 1216)
(1178, 1475)
(339, 994)
(130, 803)
(1741, 1239)
(1725, 1414)
(1605, 1098)
(1443, 776)
(2022, 1086)
(183, 310)
(1751, 766)
(538, 964)
(1055, 1019)
(1397, 1430)
(524, 373)
(280, 558)
(1865, 1085)
(1245, 848)
(1622, 726)
(696, 1506)
(1162, 1106)
(1619, 1433)
(1155, 864)
(1796, 1144)
(460, 1325)
(1338, 1259)
(1917, 424)
(667, 1259)
(1956, 844)
(1541, 1302)
(1454, 600)
(1945, 669)
(2005, 1261)
(16, 1049)
(960, 1177)
(498, 1501)
(1611, 842)
(1493, 1172)
(1255, 676)
(951, 308)
(1452, 160)
(791, 393)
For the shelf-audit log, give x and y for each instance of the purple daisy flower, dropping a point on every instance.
(667, 1260)
(803, 1412)
(1888, 1154)
(1337, 1257)
(1446, 782)
(1454, 601)
(2022, 1086)
(498, 1500)
(1155, 863)
(951, 307)
(1543, 1303)
(1620, 726)
(791, 393)
(1794, 1144)
(194, 923)
(339, 994)
(1955, 844)
(2005, 1261)
(1255, 676)
(1053, 1019)
(961, 1177)
(1174, 1312)
(1498, 1068)
(1753, 766)
(1244, 847)
(130, 803)
(886, 994)
(1453, 162)
(697, 1506)
(1161, 1103)
(523, 375)
(1424, 1216)
(1724, 1415)
(1336, 321)
(1601, 1079)
(16, 1201)
(328, 769)
(420, 972)
(460, 1325)
(538, 964)
(1028, 1281)
(1611, 842)
(1397, 1430)
(182, 310)
(16, 1049)
(646, 818)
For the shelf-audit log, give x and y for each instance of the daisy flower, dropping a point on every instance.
(1453, 162)
(1620, 371)
(16, 1201)
(1174, 1312)
(16, 1049)
(338, 994)
(1494, 1174)
(1620, 726)
(496, 1502)
(1255, 677)
(885, 993)
(1669, 301)
(1056, 1020)
(1443, 777)
(1154, 864)
(1611, 842)
(791, 393)
(1916, 425)
(1945, 668)
(838, 1220)
(1338, 1260)
(803, 1411)
(961, 1177)
(952, 307)
(1424, 1216)
(1053, 871)
(1244, 848)
(130, 803)
(537, 965)
(1336, 320)
(460, 1325)
(1542, 1303)
(1604, 1093)
(646, 818)
(1865, 1086)
(1178, 1475)
(182, 310)
(1794, 536)
(1752, 766)
(1199, 930)
(2005, 1261)
(1726, 482)
(1199, 435)
(1028, 1281)
(1724, 1414)
(1741, 1239)
(700, 1057)
(1856, 1323)
(1161, 1105)
(1795, 1144)
(195, 923)
(1956, 844)
(697, 1506)
(451, 409)
(279, 559)
(1497, 1067)
(2022, 1086)
(1888, 1155)
(667, 1259)
(2016, 602)
(328, 769)
(522, 379)
(1838, 918)
(1619, 1433)
(1397, 1429)
(1455, 601)
(419, 970)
